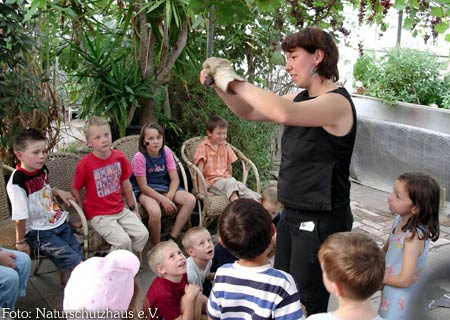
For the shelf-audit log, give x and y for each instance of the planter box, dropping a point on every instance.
(395, 139)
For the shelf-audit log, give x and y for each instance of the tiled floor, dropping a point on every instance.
(370, 216)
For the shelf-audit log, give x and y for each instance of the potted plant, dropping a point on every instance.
(365, 71)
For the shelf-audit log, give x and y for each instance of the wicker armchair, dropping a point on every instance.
(7, 226)
(211, 206)
(61, 167)
(129, 146)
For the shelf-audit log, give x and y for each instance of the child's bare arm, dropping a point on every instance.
(21, 243)
(201, 166)
(76, 194)
(230, 169)
(63, 195)
(413, 249)
(187, 307)
(174, 183)
(128, 192)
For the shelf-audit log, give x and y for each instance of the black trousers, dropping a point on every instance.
(299, 236)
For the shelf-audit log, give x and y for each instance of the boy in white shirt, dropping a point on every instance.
(199, 246)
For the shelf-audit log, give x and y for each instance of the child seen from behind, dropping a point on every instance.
(270, 202)
(156, 183)
(415, 203)
(352, 270)
(250, 288)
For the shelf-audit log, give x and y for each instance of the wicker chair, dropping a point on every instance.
(7, 226)
(61, 167)
(129, 145)
(211, 206)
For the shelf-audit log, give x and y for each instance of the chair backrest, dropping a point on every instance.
(129, 145)
(7, 226)
(61, 168)
(187, 154)
(4, 209)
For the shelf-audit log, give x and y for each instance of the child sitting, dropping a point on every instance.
(199, 246)
(250, 288)
(40, 223)
(14, 273)
(269, 200)
(105, 174)
(214, 157)
(353, 270)
(156, 184)
(103, 284)
(170, 294)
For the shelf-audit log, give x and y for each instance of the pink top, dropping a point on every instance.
(215, 161)
(139, 164)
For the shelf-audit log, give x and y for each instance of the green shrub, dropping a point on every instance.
(404, 74)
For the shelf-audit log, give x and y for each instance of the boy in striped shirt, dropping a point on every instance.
(251, 288)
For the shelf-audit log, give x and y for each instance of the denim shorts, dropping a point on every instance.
(59, 245)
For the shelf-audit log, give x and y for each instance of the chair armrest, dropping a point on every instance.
(84, 226)
(248, 165)
(200, 179)
(7, 168)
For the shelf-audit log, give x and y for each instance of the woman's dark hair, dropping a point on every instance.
(424, 193)
(149, 125)
(311, 39)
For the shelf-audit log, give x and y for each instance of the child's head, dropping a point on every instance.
(198, 243)
(30, 148)
(102, 283)
(269, 200)
(245, 228)
(98, 133)
(166, 259)
(216, 129)
(151, 138)
(354, 263)
(417, 195)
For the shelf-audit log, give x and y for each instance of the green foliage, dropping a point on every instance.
(27, 99)
(191, 109)
(404, 74)
(365, 71)
(111, 82)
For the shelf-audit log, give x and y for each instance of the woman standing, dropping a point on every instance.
(317, 145)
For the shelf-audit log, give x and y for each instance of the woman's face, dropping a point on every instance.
(299, 65)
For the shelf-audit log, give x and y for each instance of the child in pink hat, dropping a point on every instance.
(104, 285)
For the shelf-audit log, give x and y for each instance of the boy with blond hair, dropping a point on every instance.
(269, 200)
(251, 288)
(199, 246)
(170, 294)
(214, 157)
(105, 174)
(353, 270)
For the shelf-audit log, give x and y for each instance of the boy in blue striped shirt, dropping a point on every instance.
(251, 288)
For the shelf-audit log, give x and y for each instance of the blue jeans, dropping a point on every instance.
(59, 245)
(13, 282)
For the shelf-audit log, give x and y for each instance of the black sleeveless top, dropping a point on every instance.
(314, 171)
